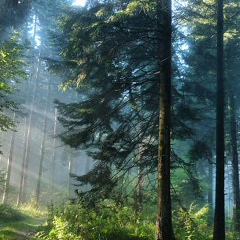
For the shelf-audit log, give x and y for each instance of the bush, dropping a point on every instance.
(105, 223)
(192, 224)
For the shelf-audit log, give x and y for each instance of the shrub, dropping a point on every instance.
(105, 223)
(192, 224)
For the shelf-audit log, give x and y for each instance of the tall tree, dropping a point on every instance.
(232, 86)
(219, 214)
(234, 151)
(164, 229)
(119, 79)
(43, 146)
(26, 152)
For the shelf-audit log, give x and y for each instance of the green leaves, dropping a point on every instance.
(107, 222)
(12, 63)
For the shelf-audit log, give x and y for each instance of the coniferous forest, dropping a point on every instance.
(119, 119)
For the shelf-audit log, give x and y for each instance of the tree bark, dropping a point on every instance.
(210, 192)
(164, 229)
(233, 135)
(219, 214)
(29, 129)
(42, 149)
(9, 168)
(19, 199)
(52, 170)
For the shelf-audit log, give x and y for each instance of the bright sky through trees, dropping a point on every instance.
(79, 3)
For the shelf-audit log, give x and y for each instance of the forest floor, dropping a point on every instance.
(23, 227)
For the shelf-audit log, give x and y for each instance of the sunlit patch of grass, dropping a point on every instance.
(21, 224)
(33, 212)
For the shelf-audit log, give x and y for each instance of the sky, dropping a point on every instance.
(79, 2)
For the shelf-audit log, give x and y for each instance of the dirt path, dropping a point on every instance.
(21, 230)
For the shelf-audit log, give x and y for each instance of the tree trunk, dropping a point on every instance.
(140, 173)
(19, 199)
(9, 168)
(219, 215)
(210, 193)
(139, 191)
(233, 135)
(52, 171)
(29, 129)
(42, 149)
(164, 229)
(70, 171)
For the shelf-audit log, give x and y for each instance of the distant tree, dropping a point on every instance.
(234, 153)
(43, 146)
(26, 152)
(9, 168)
(43, 14)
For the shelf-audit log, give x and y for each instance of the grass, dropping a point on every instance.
(20, 224)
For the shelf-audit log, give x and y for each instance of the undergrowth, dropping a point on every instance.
(7, 214)
(20, 223)
(108, 222)
(74, 222)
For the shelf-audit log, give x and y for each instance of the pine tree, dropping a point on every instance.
(219, 214)
(164, 229)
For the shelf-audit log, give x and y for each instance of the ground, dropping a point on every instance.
(23, 227)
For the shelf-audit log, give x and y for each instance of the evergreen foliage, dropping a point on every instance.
(109, 55)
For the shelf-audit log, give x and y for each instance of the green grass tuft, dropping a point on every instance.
(9, 214)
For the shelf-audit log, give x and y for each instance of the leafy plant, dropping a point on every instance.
(192, 224)
(105, 223)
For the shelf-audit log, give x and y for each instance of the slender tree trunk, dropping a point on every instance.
(164, 228)
(219, 214)
(19, 199)
(210, 192)
(70, 171)
(233, 135)
(29, 129)
(139, 191)
(9, 168)
(140, 173)
(53, 151)
(25, 159)
(42, 149)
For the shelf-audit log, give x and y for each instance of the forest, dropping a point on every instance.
(119, 119)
